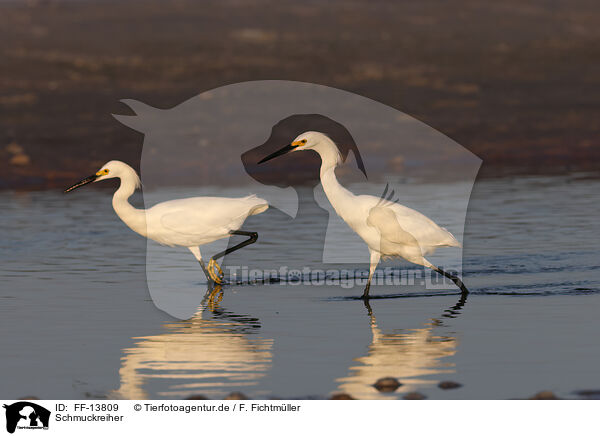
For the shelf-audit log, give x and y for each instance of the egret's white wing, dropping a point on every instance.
(384, 219)
(207, 216)
(402, 225)
(412, 224)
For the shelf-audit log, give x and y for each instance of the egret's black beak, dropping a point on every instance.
(85, 181)
(284, 150)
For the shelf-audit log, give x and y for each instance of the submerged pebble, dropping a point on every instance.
(196, 397)
(589, 394)
(449, 385)
(236, 396)
(387, 384)
(341, 396)
(544, 395)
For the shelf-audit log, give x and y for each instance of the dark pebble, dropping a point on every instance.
(589, 394)
(236, 396)
(341, 396)
(95, 395)
(414, 396)
(545, 395)
(387, 384)
(196, 397)
(449, 385)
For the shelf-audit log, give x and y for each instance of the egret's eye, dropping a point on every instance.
(303, 141)
(102, 173)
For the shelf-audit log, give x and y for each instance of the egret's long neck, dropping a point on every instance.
(134, 218)
(330, 159)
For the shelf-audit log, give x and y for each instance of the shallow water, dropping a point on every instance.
(79, 321)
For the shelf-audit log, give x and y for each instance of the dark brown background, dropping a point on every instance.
(517, 83)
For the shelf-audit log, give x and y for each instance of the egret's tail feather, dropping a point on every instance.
(259, 209)
(452, 241)
(260, 206)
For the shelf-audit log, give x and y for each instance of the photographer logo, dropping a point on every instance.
(26, 415)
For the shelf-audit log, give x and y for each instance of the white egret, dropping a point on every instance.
(389, 229)
(187, 222)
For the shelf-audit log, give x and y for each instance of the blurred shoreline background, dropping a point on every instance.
(515, 83)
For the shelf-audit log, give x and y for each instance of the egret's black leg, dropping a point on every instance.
(252, 237)
(458, 282)
(375, 256)
(213, 265)
(365, 295)
(211, 282)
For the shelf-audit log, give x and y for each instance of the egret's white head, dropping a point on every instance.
(114, 168)
(110, 170)
(308, 140)
(304, 141)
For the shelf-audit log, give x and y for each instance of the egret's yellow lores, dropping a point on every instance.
(188, 222)
(388, 228)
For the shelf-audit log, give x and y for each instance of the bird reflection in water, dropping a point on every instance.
(414, 357)
(210, 357)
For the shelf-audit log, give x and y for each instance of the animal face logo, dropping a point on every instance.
(26, 415)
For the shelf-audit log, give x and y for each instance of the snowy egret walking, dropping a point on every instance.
(188, 222)
(389, 229)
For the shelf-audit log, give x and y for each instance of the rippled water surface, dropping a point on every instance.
(79, 320)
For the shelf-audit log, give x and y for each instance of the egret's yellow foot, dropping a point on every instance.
(215, 271)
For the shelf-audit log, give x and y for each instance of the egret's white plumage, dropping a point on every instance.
(200, 220)
(188, 222)
(389, 229)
